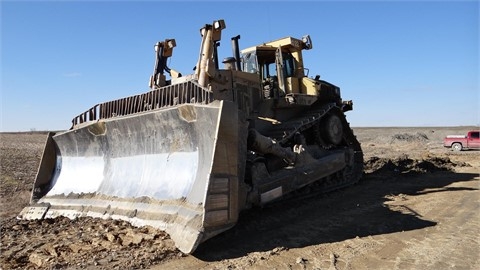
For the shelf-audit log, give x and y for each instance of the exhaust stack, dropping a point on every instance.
(236, 51)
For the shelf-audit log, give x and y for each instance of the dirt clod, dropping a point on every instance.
(74, 244)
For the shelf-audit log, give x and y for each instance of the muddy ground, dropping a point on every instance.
(417, 207)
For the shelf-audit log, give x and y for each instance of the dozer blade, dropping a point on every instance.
(175, 169)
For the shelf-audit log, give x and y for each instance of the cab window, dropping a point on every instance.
(249, 61)
(288, 65)
(270, 67)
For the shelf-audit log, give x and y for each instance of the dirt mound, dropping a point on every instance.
(408, 137)
(405, 165)
(82, 243)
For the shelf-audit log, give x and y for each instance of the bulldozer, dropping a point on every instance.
(192, 152)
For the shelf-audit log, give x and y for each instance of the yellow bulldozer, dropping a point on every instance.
(194, 151)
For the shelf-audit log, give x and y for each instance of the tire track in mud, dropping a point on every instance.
(453, 243)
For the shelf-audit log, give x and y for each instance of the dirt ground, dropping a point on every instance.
(417, 207)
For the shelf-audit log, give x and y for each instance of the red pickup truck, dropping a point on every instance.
(460, 142)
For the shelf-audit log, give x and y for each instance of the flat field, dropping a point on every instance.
(417, 207)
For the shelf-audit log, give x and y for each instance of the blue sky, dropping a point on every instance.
(403, 63)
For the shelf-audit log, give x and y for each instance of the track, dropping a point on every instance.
(284, 134)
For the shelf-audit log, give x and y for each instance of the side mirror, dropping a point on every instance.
(307, 42)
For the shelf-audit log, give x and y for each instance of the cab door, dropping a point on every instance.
(280, 71)
(473, 140)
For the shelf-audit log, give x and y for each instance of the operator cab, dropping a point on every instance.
(279, 65)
